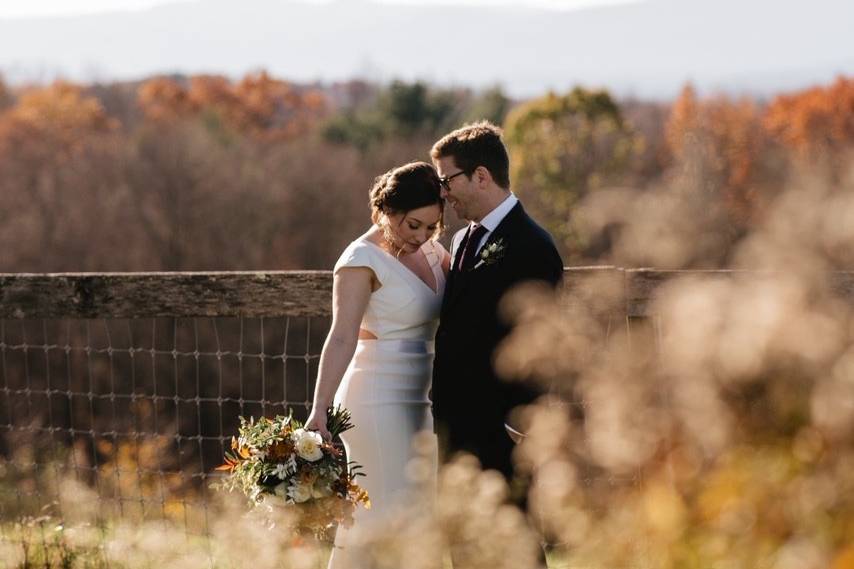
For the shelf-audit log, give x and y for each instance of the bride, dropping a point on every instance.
(378, 357)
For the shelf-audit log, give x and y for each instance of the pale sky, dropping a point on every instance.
(36, 8)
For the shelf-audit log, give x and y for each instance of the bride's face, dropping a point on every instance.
(410, 230)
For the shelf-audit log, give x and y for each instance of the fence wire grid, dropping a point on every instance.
(141, 411)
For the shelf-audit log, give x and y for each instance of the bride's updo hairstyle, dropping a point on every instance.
(411, 186)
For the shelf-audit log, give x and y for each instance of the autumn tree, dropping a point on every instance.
(53, 144)
(721, 142)
(164, 99)
(281, 107)
(816, 122)
(60, 115)
(562, 148)
(258, 105)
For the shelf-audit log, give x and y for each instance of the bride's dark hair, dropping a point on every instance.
(405, 188)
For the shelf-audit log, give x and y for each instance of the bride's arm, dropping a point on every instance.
(351, 290)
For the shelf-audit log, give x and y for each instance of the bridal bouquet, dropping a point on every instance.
(278, 460)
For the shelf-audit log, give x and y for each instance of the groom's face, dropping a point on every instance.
(459, 191)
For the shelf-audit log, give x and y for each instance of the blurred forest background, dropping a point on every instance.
(718, 433)
(201, 172)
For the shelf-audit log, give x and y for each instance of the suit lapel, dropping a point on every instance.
(459, 281)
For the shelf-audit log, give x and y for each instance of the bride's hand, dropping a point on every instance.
(317, 422)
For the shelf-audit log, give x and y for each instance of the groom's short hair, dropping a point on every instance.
(473, 145)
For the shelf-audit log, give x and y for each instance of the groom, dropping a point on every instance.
(500, 248)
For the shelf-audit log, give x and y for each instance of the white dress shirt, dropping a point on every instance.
(490, 222)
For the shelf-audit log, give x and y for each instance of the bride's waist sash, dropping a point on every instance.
(398, 346)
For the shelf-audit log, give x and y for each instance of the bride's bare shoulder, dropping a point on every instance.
(372, 235)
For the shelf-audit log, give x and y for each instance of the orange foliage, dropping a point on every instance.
(214, 92)
(164, 99)
(59, 117)
(684, 118)
(815, 120)
(726, 136)
(257, 105)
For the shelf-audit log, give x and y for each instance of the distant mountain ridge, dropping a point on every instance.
(648, 49)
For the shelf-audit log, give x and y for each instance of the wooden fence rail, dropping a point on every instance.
(268, 293)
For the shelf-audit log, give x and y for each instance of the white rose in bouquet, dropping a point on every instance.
(307, 444)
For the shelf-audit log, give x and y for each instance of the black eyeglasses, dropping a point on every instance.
(446, 180)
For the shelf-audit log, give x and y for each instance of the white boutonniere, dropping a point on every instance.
(491, 253)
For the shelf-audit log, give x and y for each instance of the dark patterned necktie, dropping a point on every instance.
(470, 248)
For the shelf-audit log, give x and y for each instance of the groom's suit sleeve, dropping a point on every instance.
(541, 260)
(545, 265)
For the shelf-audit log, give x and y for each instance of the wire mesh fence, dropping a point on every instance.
(142, 410)
(131, 386)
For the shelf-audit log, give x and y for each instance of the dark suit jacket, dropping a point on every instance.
(470, 403)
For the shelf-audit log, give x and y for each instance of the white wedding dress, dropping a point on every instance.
(386, 384)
